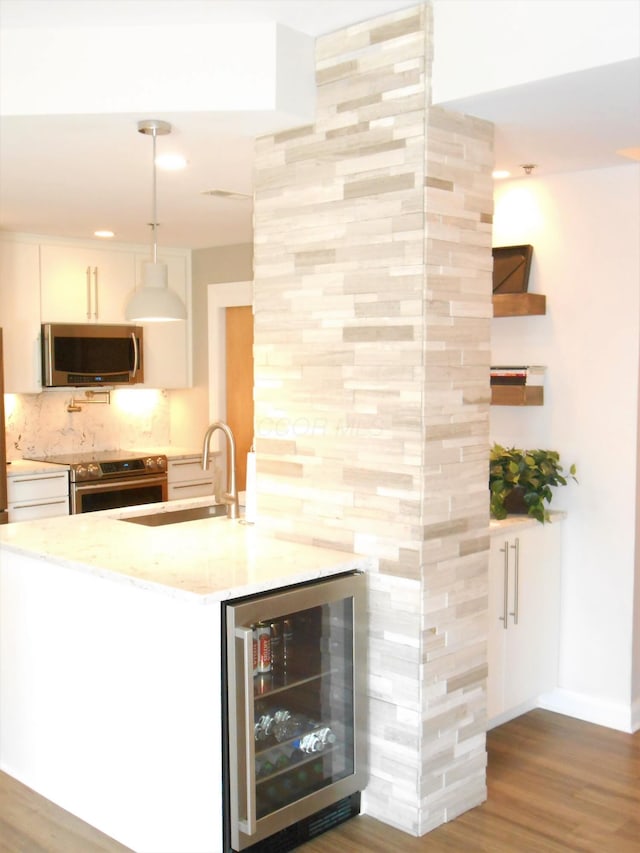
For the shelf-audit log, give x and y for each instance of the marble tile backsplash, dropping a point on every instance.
(41, 425)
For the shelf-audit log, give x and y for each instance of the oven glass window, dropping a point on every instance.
(113, 498)
(94, 355)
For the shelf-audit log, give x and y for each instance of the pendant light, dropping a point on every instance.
(154, 301)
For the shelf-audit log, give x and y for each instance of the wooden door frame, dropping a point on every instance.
(231, 294)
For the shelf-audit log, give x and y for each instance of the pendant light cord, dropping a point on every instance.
(154, 224)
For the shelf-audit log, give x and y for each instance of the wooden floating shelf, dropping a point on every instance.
(517, 395)
(519, 304)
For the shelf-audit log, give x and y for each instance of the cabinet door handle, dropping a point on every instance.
(61, 477)
(505, 591)
(42, 503)
(194, 484)
(516, 582)
(95, 293)
(88, 275)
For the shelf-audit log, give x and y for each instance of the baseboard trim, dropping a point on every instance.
(511, 714)
(612, 715)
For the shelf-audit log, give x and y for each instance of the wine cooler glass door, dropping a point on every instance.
(295, 705)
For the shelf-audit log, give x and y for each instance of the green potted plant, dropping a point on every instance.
(520, 481)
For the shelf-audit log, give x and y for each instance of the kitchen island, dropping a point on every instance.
(110, 664)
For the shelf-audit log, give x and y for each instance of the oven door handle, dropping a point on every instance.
(109, 485)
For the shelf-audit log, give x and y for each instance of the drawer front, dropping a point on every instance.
(35, 487)
(188, 470)
(28, 511)
(198, 489)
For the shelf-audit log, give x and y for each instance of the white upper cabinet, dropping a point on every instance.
(20, 316)
(166, 345)
(80, 285)
(46, 281)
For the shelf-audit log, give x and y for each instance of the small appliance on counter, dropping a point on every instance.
(111, 479)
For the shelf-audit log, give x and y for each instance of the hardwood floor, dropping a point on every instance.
(555, 785)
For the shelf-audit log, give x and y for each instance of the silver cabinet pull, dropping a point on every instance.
(516, 581)
(88, 274)
(95, 293)
(505, 598)
(42, 503)
(61, 477)
(193, 485)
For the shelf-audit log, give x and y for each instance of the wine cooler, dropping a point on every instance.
(295, 713)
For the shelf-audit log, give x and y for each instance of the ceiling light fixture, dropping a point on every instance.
(500, 174)
(171, 162)
(103, 233)
(528, 167)
(227, 194)
(154, 301)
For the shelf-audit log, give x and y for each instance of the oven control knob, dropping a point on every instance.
(155, 463)
(88, 472)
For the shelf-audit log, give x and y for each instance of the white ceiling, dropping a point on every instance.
(70, 175)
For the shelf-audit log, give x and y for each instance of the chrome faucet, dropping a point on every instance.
(230, 498)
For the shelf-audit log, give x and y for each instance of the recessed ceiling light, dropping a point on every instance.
(631, 153)
(103, 233)
(500, 173)
(171, 162)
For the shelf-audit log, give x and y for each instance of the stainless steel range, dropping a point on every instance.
(110, 479)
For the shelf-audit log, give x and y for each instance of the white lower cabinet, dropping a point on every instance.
(524, 618)
(186, 479)
(33, 496)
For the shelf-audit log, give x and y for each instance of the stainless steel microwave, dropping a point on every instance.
(89, 355)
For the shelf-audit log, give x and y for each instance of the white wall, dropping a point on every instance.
(585, 229)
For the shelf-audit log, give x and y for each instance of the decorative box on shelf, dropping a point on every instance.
(517, 395)
(517, 385)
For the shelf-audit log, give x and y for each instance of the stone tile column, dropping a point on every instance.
(372, 318)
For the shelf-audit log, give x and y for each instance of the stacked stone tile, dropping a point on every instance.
(372, 310)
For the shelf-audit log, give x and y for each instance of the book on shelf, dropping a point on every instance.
(531, 374)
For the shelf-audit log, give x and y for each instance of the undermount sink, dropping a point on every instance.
(176, 516)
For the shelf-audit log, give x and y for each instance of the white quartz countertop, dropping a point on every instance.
(173, 452)
(214, 559)
(513, 523)
(19, 467)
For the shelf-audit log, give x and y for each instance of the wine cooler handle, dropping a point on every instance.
(244, 685)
